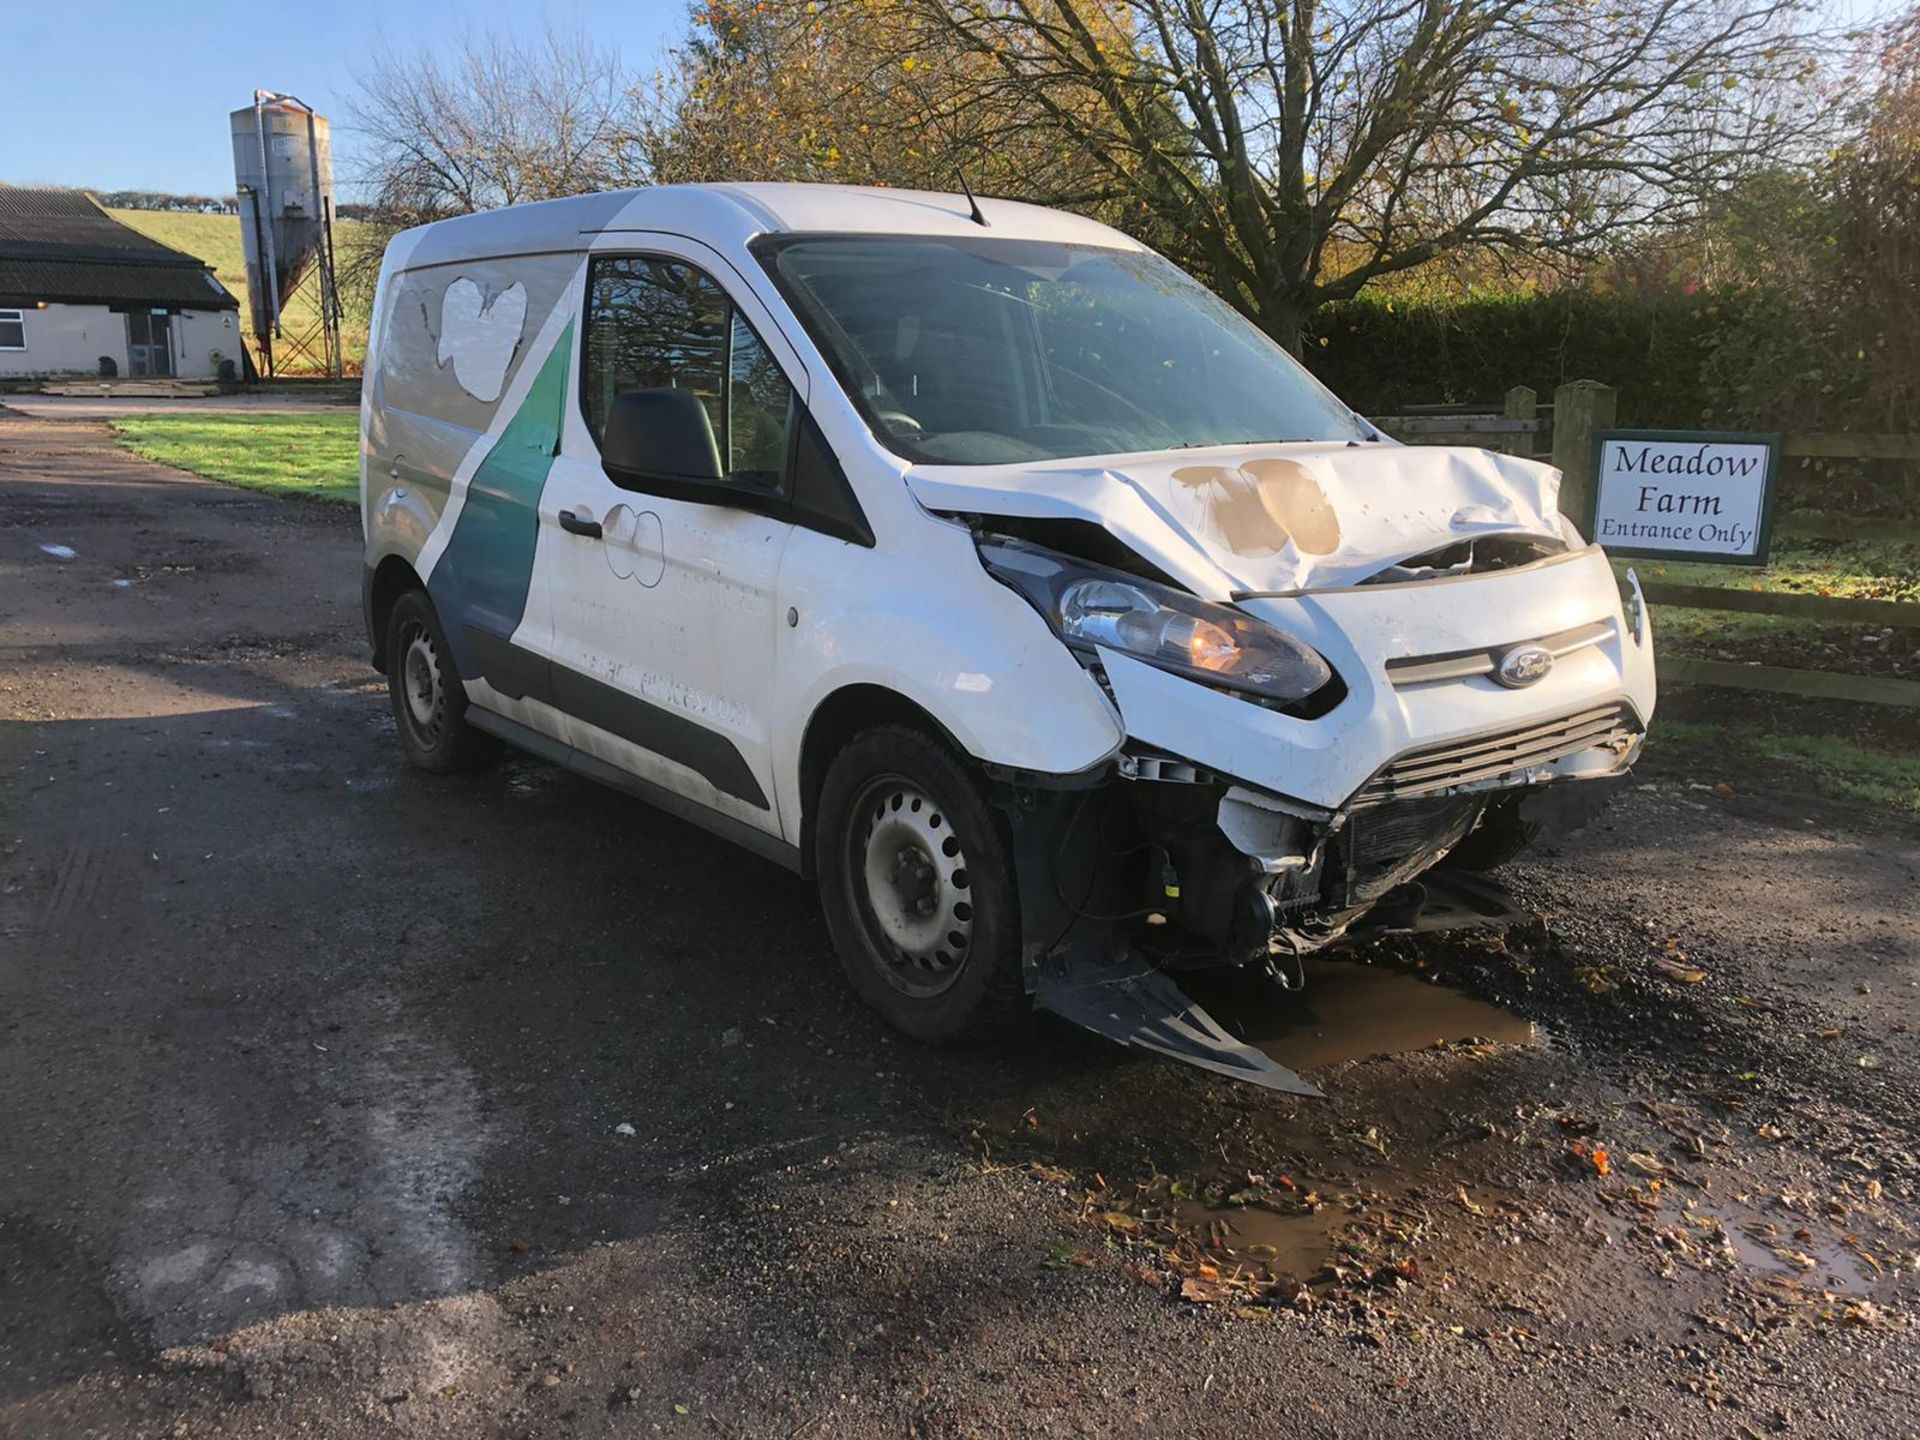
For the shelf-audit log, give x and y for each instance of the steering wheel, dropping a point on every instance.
(900, 420)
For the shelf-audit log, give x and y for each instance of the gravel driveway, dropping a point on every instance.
(337, 1099)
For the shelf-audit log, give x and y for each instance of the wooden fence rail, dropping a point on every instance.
(1579, 409)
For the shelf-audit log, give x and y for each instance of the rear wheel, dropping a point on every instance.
(917, 882)
(429, 702)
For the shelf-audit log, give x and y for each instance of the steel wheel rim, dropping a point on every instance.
(420, 684)
(909, 871)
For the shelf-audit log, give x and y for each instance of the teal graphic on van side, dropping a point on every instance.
(480, 583)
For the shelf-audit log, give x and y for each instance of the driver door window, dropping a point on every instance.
(654, 322)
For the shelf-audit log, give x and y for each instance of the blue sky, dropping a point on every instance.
(133, 94)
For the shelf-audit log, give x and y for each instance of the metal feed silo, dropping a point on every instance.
(283, 175)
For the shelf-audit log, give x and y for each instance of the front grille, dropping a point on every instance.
(1436, 768)
(1464, 664)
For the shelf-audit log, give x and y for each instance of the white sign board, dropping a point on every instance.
(1685, 495)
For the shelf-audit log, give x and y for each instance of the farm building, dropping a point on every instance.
(82, 294)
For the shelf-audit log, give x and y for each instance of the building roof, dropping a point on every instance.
(60, 247)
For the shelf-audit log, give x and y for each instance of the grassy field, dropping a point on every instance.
(216, 240)
(307, 454)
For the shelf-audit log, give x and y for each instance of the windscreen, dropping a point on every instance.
(988, 352)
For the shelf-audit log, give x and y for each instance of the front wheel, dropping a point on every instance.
(916, 878)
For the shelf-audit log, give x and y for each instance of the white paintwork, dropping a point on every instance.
(1270, 517)
(1322, 762)
(747, 625)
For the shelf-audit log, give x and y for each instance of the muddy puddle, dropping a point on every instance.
(1350, 1011)
(1769, 1247)
(1265, 1244)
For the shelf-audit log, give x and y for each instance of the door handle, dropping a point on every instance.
(575, 525)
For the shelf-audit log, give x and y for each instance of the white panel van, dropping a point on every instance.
(974, 561)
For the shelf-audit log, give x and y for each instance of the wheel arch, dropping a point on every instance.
(839, 717)
(386, 582)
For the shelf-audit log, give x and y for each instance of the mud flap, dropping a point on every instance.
(1123, 997)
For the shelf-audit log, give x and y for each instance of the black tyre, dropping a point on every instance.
(917, 882)
(429, 702)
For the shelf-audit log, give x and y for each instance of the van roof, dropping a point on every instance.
(736, 213)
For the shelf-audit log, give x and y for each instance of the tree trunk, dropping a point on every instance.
(1284, 317)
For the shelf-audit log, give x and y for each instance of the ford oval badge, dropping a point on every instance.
(1523, 665)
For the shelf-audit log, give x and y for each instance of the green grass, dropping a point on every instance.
(1853, 569)
(215, 239)
(300, 454)
(1837, 766)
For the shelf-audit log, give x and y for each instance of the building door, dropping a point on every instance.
(149, 343)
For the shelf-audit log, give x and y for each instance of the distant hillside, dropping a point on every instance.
(216, 240)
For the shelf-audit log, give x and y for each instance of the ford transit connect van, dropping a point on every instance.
(974, 561)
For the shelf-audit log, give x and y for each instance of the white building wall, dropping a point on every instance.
(68, 339)
(198, 335)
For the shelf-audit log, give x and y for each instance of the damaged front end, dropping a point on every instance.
(1303, 766)
(1160, 868)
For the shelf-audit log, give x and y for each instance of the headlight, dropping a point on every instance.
(1090, 607)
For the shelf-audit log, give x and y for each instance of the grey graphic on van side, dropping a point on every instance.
(436, 389)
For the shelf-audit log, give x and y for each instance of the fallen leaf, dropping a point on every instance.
(1644, 1164)
(1682, 974)
(1201, 1292)
(1723, 790)
(1594, 1155)
(1596, 979)
(1118, 1221)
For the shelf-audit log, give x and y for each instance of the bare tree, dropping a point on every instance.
(1297, 152)
(497, 121)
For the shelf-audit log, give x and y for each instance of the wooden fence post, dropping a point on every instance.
(1580, 407)
(1521, 404)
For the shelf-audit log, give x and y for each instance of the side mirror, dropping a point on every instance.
(662, 432)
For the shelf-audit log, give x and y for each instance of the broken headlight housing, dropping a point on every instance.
(1094, 608)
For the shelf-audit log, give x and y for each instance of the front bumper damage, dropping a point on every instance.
(1163, 864)
(1165, 868)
